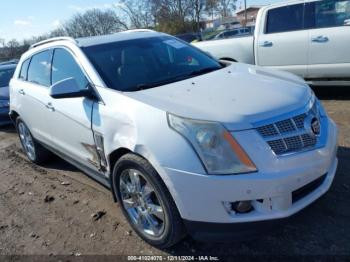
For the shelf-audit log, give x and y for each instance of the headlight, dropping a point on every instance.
(320, 108)
(4, 103)
(218, 150)
(317, 105)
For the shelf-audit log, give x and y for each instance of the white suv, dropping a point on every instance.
(187, 144)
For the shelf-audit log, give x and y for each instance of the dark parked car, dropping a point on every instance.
(6, 72)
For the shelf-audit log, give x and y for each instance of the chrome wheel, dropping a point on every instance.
(142, 203)
(27, 140)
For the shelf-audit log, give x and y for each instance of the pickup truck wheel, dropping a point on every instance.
(34, 151)
(146, 202)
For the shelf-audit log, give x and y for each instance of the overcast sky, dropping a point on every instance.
(25, 18)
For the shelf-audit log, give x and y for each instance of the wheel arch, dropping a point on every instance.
(228, 59)
(13, 116)
(143, 152)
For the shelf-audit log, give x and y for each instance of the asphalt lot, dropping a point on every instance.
(49, 210)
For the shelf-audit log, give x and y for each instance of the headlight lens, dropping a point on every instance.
(4, 103)
(317, 105)
(217, 149)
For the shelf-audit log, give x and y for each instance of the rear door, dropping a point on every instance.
(71, 118)
(329, 40)
(33, 95)
(283, 43)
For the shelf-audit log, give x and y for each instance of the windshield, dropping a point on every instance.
(5, 76)
(148, 62)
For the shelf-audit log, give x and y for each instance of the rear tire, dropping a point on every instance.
(146, 202)
(35, 152)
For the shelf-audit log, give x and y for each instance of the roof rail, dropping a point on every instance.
(54, 39)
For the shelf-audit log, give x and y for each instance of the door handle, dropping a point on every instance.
(320, 39)
(50, 107)
(21, 92)
(266, 44)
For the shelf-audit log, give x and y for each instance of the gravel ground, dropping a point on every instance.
(49, 210)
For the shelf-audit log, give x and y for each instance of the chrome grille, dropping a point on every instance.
(299, 121)
(288, 135)
(285, 126)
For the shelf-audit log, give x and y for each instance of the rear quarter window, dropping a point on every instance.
(24, 70)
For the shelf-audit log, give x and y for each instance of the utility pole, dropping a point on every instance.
(245, 12)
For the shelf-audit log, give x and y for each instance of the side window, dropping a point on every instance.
(39, 68)
(24, 70)
(231, 33)
(64, 66)
(220, 36)
(285, 19)
(332, 13)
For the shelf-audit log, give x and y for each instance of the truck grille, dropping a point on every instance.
(289, 135)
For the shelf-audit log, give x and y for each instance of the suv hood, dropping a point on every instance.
(237, 96)
(4, 93)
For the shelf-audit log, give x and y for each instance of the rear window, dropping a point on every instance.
(285, 19)
(5, 76)
(39, 68)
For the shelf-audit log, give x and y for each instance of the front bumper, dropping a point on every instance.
(274, 191)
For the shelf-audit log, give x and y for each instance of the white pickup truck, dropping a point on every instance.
(308, 38)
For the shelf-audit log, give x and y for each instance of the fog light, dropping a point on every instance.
(242, 206)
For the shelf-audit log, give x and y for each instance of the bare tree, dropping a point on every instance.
(94, 22)
(173, 16)
(196, 9)
(12, 47)
(58, 32)
(211, 7)
(140, 14)
(226, 7)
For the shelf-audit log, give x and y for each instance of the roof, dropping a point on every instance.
(121, 36)
(102, 39)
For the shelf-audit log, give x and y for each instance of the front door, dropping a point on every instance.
(71, 117)
(329, 40)
(283, 42)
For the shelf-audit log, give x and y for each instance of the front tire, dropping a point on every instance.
(146, 202)
(34, 151)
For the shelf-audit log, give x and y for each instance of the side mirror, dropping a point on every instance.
(69, 88)
(347, 22)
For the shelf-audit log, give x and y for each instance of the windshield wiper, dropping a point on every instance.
(143, 86)
(203, 71)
